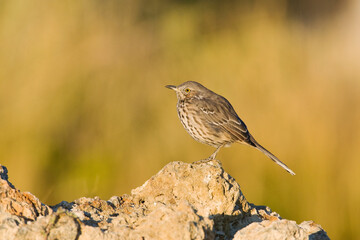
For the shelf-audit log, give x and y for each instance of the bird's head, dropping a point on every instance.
(188, 90)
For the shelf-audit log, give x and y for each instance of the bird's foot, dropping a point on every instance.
(202, 161)
(207, 160)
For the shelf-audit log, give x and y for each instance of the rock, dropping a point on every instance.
(281, 229)
(182, 201)
(24, 205)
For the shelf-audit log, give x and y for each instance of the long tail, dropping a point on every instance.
(270, 155)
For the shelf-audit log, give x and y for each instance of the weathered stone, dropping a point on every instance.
(24, 205)
(281, 229)
(182, 201)
(206, 186)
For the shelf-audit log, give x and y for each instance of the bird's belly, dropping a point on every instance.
(202, 131)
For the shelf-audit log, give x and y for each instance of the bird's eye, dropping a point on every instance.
(187, 90)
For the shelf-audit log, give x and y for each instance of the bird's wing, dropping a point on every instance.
(219, 113)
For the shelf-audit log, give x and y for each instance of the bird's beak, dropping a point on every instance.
(172, 87)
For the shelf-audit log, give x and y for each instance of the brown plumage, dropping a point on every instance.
(210, 119)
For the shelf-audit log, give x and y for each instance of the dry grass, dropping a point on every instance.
(84, 111)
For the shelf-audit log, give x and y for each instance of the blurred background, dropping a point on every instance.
(84, 111)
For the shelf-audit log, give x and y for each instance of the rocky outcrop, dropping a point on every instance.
(182, 201)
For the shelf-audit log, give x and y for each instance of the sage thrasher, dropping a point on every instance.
(210, 119)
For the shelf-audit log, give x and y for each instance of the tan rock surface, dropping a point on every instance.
(182, 201)
(24, 205)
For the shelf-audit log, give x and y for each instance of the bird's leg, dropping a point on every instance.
(212, 157)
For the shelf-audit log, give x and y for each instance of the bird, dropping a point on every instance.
(210, 119)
